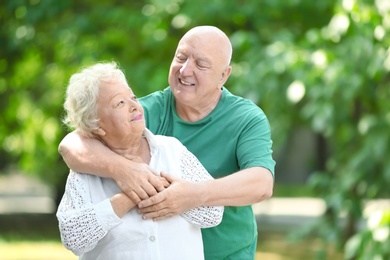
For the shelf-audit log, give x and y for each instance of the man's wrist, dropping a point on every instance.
(202, 192)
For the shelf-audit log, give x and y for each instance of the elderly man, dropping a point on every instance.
(230, 135)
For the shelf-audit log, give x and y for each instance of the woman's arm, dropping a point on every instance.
(203, 216)
(88, 155)
(83, 224)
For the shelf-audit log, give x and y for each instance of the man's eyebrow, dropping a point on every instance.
(180, 52)
(201, 59)
(204, 60)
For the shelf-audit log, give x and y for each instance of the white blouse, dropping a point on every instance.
(90, 228)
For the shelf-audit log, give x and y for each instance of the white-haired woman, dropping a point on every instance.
(96, 219)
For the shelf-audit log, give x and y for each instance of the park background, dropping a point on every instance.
(319, 70)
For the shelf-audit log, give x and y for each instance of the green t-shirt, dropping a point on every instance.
(234, 136)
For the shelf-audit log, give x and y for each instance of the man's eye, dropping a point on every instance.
(202, 66)
(120, 103)
(181, 59)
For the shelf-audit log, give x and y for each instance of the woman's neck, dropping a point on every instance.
(138, 151)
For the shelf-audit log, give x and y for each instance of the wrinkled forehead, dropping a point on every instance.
(204, 46)
(112, 87)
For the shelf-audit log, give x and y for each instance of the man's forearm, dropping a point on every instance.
(87, 155)
(242, 188)
(77, 154)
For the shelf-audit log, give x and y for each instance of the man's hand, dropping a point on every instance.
(142, 183)
(179, 197)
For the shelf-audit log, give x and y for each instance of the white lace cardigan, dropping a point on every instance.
(90, 228)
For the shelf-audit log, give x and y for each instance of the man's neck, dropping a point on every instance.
(197, 112)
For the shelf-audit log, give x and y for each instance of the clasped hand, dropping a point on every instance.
(174, 200)
(157, 196)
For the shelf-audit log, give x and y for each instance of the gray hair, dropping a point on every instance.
(82, 93)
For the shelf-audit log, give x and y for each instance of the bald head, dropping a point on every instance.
(213, 37)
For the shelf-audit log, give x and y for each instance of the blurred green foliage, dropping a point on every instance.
(323, 65)
(372, 242)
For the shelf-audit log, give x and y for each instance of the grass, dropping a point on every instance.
(31, 237)
(274, 247)
(36, 237)
(24, 250)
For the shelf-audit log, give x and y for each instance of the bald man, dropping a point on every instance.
(230, 136)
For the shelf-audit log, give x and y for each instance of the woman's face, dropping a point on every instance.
(121, 115)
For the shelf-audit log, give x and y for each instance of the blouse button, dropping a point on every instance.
(152, 238)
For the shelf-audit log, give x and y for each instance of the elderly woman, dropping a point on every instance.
(96, 219)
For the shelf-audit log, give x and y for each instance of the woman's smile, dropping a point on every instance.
(137, 117)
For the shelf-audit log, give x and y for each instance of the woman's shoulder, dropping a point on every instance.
(168, 140)
(162, 140)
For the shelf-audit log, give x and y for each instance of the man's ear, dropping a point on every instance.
(99, 131)
(225, 75)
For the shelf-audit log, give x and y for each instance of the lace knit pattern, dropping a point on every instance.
(193, 170)
(80, 229)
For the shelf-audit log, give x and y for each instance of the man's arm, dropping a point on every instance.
(245, 187)
(88, 155)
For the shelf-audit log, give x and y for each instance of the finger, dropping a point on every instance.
(142, 209)
(156, 183)
(162, 214)
(150, 215)
(158, 198)
(168, 177)
(165, 182)
(145, 190)
(136, 194)
(163, 217)
(157, 215)
(152, 170)
(149, 190)
(133, 196)
(150, 209)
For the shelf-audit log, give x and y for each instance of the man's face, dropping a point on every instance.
(197, 70)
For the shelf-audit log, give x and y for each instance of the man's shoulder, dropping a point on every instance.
(240, 103)
(157, 99)
(233, 97)
(159, 94)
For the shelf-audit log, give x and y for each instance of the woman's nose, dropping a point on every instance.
(132, 106)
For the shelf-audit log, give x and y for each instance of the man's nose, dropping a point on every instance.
(187, 68)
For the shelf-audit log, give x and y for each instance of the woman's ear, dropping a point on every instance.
(99, 131)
